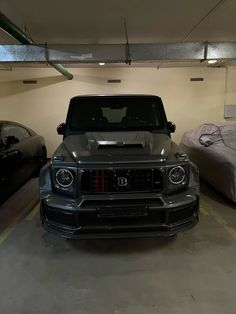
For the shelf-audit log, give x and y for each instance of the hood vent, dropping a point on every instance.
(114, 144)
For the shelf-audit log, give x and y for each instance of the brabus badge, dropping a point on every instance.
(122, 181)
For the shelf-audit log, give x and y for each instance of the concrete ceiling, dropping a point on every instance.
(102, 21)
(77, 21)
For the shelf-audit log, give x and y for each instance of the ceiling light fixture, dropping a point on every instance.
(101, 63)
(212, 61)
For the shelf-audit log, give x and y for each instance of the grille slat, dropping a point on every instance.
(121, 181)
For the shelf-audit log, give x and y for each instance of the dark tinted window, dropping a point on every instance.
(14, 130)
(116, 114)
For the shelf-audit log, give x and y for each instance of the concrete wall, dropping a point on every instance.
(43, 106)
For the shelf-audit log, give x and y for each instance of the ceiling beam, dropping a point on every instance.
(13, 30)
(221, 50)
(116, 53)
(63, 53)
(175, 52)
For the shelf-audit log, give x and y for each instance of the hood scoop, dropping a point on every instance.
(119, 144)
(117, 147)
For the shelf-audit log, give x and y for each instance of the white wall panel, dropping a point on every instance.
(43, 106)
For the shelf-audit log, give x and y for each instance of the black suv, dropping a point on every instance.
(117, 173)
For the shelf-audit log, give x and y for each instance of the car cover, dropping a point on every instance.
(212, 147)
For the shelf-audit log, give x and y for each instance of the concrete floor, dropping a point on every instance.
(192, 273)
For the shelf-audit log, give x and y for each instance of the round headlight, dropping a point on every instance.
(64, 178)
(177, 175)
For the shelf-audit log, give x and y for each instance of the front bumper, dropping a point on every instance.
(119, 216)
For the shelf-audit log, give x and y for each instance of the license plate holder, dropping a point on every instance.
(122, 212)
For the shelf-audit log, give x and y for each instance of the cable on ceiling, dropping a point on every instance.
(218, 4)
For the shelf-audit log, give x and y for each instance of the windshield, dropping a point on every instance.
(116, 114)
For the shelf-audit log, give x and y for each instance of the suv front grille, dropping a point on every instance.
(121, 181)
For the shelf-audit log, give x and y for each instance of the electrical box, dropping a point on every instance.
(230, 111)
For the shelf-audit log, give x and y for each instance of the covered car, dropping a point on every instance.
(22, 154)
(212, 147)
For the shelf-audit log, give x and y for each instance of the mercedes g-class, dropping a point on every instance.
(117, 172)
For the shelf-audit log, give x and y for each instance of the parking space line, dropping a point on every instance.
(204, 211)
(5, 234)
(33, 213)
(7, 231)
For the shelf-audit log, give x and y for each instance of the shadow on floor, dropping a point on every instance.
(210, 192)
(117, 246)
(19, 204)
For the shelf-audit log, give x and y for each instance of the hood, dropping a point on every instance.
(118, 147)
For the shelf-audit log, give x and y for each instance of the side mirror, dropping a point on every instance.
(61, 129)
(11, 140)
(171, 127)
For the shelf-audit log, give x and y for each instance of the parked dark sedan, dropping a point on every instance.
(22, 154)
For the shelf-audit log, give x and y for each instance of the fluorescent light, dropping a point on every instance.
(212, 61)
(101, 63)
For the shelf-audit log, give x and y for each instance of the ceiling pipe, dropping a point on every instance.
(13, 30)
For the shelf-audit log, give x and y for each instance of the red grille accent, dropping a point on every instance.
(121, 180)
(97, 181)
(103, 181)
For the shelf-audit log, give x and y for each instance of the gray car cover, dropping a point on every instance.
(212, 147)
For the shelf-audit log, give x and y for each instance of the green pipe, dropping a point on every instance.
(14, 31)
(62, 70)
